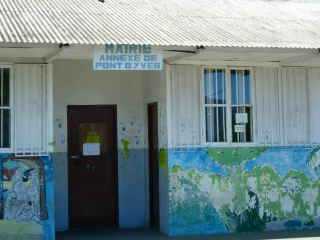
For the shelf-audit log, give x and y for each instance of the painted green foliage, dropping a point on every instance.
(125, 148)
(163, 158)
(234, 156)
(250, 200)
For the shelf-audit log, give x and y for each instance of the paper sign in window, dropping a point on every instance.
(241, 118)
(240, 128)
(91, 149)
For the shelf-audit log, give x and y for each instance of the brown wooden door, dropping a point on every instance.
(153, 164)
(92, 152)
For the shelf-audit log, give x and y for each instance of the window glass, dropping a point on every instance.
(215, 86)
(5, 118)
(5, 128)
(216, 124)
(240, 87)
(5, 91)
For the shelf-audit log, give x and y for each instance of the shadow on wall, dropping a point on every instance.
(26, 198)
(226, 190)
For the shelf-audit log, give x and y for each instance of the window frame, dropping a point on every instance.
(10, 107)
(229, 142)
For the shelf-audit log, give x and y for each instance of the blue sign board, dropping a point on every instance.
(127, 57)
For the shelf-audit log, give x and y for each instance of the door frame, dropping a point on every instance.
(113, 107)
(154, 221)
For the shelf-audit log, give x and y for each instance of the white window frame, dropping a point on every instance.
(229, 142)
(11, 108)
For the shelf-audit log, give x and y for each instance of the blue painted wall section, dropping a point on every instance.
(27, 198)
(226, 190)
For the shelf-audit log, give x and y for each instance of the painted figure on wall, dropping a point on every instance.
(23, 201)
(21, 189)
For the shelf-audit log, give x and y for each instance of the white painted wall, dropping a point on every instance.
(268, 122)
(294, 105)
(281, 105)
(314, 99)
(185, 102)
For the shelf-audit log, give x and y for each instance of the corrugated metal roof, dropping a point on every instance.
(223, 23)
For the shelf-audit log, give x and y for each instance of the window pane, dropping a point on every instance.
(5, 84)
(215, 86)
(241, 124)
(216, 130)
(240, 87)
(4, 128)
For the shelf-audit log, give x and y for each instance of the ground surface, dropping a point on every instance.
(149, 235)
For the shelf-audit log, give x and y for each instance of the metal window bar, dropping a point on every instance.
(224, 109)
(210, 109)
(237, 99)
(217, 108)
(244, 101)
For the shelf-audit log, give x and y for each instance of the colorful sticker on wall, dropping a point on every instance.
(133, 132)
(131, 136)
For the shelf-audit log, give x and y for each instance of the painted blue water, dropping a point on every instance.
(283, 160)
(196, 158)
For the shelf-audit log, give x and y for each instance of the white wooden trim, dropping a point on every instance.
(168, 105)
(50, 117)
(308, 106)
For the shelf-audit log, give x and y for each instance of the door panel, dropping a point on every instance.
(92, 150)
(153, 164)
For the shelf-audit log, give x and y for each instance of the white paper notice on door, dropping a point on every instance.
(91, 149)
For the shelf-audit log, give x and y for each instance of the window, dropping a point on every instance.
(5, 108)
(215, 105)
(228, 105)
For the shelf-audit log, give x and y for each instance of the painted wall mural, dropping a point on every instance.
(225, 190)
(26, 198)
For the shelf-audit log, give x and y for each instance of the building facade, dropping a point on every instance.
(224, 137)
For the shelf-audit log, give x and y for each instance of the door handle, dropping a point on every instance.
(75, 157)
